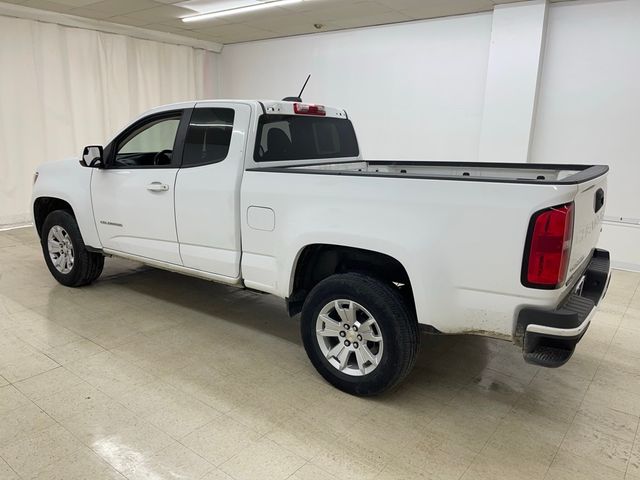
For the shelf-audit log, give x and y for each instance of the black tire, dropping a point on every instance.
(87, 266)
(397, 324)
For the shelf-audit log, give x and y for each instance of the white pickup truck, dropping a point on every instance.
(274, 196)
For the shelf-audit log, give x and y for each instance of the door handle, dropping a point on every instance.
(157, 187)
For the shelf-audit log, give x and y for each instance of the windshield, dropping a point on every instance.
(298, 137)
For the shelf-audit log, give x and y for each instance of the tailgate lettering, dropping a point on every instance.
(586, 230)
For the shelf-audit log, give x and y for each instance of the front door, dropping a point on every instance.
(133, 197)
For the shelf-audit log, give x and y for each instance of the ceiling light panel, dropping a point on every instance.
(223, 8)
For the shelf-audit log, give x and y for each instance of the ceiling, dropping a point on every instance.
(308, 16)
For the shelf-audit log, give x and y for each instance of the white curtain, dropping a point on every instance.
(62, 88)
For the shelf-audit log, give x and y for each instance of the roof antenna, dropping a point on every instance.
(299, 97)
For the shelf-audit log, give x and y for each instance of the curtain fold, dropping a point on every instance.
(62, 88)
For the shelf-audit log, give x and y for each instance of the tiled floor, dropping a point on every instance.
(151, 375)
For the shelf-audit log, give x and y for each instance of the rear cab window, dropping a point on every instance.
(208, 137)
(298, 137)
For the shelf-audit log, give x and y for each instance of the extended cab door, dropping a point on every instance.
(133, 195)
(208, 188)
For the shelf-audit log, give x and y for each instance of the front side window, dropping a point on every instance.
(208, 137)
(150, 144)
(297, 137)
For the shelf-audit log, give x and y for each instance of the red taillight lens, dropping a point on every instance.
(550, 247)
(309, 109)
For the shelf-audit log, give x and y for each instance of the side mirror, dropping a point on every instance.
(92, 156)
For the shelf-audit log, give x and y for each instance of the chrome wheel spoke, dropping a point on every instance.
(54, 247)
(360, 360)
(368, 356)
(343, 357)
(364, 357)
(335, 351)
(341, 354)
(56, 231)
(346, 314)
(351, 313)
(370, 337)
(367, 333)
(366, 325)
(331, 328)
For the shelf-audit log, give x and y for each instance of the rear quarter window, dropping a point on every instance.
(208, 136)
(297, 137)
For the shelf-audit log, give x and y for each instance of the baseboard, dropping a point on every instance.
(5, 228)
(628, 267)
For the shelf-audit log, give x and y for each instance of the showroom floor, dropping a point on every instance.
(147, 374)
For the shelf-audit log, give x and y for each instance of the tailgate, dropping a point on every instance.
(588, 215)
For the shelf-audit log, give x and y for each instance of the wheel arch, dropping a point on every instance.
(43, 206)
(317, 261)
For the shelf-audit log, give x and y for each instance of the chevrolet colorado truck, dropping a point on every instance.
(274, 196)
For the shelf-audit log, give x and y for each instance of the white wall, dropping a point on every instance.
(517, 37)
(589, 102)
(623, 241)
(476, 87)
(589, 105)
(62, 88)
(413, 90)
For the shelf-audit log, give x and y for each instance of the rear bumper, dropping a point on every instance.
(549, 337)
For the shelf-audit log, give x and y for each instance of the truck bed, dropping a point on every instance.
(459, 229)
(538, 173)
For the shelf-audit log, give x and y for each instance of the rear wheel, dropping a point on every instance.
(65, 253)
(359, 333)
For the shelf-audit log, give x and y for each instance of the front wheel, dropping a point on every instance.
(359, 333)
(65, 253)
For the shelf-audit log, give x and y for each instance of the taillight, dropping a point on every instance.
(549, 247)
(309, 109)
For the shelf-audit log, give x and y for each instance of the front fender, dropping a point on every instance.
(69, 181)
